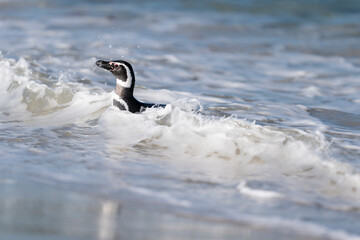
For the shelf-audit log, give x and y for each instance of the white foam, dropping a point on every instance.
(24, 99)
(14, 77)
(257, 193)
(311, 92)
(231, 148)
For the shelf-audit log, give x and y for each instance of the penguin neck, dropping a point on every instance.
(124, 92)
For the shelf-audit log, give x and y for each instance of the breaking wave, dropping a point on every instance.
(182, 133)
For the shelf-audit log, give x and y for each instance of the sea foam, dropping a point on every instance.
(30, 101)
(227, 149)
(230, 148)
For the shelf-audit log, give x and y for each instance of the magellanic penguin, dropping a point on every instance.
(125, 83)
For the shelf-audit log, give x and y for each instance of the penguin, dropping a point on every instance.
(125, 83)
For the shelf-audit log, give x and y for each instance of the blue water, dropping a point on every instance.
(259, 138)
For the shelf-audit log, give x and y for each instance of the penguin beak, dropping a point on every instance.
(104, 64)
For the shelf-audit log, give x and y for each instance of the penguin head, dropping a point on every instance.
(122, 70)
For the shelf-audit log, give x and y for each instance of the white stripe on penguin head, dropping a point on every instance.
(128, 82)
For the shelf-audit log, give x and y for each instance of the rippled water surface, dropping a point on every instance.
(259, 139)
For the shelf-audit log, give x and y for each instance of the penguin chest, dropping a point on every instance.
(121, 104)
(131, 105)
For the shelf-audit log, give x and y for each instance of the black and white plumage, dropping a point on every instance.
(125, 83)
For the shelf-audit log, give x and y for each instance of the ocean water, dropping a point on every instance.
(260, 138)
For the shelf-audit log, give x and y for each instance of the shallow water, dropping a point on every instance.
(260, 137)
